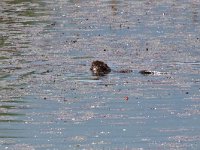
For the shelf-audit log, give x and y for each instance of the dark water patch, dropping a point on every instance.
(25, 75)
(11, 68)
(3, 41)
(11, 118)
(83, 57)
(11, 121)
(8, 137)
(29, 23)
(3, 76)
(8, 50)
(30, 13)
(6, 88)
(27, 2)
(13, 101)
(8, 107)
(3, 58)
(10, 114)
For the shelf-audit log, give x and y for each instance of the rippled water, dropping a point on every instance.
(50, 100)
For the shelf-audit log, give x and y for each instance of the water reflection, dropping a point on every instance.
(10, 111)
(16, 46)
(3, 41)
(27, 2)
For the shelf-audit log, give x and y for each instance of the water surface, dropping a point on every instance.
(50, 100)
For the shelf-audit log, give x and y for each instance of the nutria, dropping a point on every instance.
(100, 68)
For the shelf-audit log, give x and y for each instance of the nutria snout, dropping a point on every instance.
(99, 68)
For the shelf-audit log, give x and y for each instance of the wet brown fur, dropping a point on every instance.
(99, 68)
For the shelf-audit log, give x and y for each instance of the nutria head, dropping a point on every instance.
(99, 68)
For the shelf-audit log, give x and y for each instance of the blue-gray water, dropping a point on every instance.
(50, 100)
